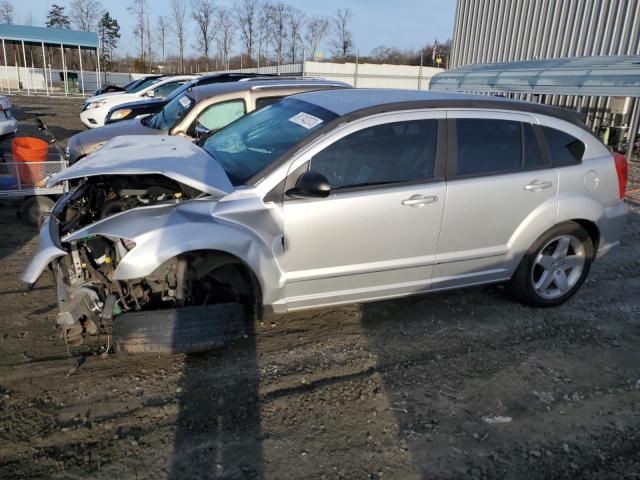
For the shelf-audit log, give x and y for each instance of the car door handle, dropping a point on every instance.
(419, 200)
(537, 185)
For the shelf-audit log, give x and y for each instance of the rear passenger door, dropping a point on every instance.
(498, 181)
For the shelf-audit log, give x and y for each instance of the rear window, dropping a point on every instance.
(564, 149)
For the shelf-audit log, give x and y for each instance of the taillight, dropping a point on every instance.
(622, 167)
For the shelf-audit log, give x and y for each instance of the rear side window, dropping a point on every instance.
(384, 154)
(564, 149)
(488, 146)
(264, 101)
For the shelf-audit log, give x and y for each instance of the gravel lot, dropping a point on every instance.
(399, 389)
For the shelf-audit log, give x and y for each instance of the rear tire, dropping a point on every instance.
(555, 266)
(180, 330)
(33, 208)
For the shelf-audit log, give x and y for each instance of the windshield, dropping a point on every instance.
(255, 141)
(180, 90)
(171, 113)
(144, 84)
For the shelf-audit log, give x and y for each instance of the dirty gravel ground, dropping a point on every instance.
(395, 389)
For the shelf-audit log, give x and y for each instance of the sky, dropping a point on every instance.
(398, 23)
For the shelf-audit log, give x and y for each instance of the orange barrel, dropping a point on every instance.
(28, 150)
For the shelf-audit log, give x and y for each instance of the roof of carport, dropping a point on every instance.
(50, 36)
(608, 76)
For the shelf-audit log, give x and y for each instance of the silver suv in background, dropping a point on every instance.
(198, 111)
(335, 197)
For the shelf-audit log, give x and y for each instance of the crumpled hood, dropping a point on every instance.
(173, 157)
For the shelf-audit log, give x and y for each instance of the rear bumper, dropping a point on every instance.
(8, 127)
(611, 227)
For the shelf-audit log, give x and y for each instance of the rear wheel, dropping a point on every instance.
(555, 266)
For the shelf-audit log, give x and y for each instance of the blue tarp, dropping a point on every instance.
(50, 36)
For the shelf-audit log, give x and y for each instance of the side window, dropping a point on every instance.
(384, 154)
(220, 115)
(532, 154)
(163, 90)
(265, 101)
(488, 146)
(564, 149)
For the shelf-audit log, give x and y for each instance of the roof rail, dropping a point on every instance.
(280, 77)
(293, 84)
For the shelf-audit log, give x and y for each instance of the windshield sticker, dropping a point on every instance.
(185, 101)
(305, 120)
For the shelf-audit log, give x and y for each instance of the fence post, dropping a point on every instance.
(44, 68)
(26, 67)
(355, 72)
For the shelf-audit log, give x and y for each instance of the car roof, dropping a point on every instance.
(364, 101)
(202, 92)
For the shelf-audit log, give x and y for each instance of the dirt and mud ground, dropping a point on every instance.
(398, 390)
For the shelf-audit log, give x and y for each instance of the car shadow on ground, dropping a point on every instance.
(218, 433)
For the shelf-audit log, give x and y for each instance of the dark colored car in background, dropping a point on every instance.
(109, 87)
(142, 108)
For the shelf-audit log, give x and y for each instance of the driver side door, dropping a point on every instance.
(376, 234)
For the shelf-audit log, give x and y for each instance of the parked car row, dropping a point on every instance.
(327, 197)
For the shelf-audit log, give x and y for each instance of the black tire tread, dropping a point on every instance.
(180, 330)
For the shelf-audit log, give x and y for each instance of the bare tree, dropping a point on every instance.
(139, 9)
(295, 23)
(224, 37)
(28, 19)
(342, 42)
(161, 31)
(317, 29)
(149, 39)
(247, 18)
(85, 14)
(277, 15)
(263, 33)
(6, 12)
(202, 12)
(179, 10)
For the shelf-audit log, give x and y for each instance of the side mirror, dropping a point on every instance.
(311, 185)
(201, 130)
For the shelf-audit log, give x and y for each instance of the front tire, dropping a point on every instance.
(555, 266)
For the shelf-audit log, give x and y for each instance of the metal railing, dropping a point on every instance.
(21, 179)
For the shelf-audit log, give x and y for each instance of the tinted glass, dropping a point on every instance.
(258, 139)
(220, 115)
(171, 113)
(564, 149)
(144, 84)
(532, 154)
(488, 146)
(163, 90)
(384, 154)
(263, 102)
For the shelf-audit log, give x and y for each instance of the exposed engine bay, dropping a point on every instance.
(89, 296)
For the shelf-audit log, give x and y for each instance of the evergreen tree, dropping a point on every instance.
(109, 32)
(56, 18)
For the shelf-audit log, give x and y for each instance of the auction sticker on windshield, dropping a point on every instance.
(305, 120)
(185, 101)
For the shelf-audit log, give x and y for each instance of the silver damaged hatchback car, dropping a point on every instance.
(329, 198)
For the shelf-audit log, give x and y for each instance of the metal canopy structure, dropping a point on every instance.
(602, 76)
(51, 36)
(597, 76)
(45, 39)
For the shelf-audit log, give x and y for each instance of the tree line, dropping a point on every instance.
(267, 32)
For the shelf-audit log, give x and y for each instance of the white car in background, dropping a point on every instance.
(95, 109)
(8, 124)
